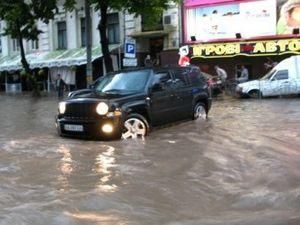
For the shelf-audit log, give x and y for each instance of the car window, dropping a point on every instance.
(181, 77)
(196, 78)
(124, 81)
(268, 75)
(162, 77)
(281, 75)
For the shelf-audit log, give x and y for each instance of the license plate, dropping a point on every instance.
(72, 127)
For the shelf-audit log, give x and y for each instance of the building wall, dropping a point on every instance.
(128, 25)
(171, 40)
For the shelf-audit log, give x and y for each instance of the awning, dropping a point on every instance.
(58, 58)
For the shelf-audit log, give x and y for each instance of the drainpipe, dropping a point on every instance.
(89, 69)
(180, 23)
(5, 81)
(48, 82)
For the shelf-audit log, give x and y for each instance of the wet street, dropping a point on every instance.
(240, 167)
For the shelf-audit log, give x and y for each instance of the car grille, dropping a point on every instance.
(80, 111)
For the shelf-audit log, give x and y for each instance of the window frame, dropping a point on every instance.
(62, 35)
(83, 32)
(34, 45)
(15, 45)
(113, 27)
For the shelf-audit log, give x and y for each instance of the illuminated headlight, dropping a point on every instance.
(62, 107)
(102, 108)
(107, 128)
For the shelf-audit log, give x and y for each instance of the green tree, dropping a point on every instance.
(21, 18)
(150, 9)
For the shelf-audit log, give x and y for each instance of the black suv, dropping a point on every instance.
(128, 103)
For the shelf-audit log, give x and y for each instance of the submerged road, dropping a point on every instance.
(240, 167)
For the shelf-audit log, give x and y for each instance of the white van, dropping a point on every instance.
(283, 79)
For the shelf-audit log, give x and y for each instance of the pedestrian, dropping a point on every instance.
(221, 73)
(269, 64)
(60, 86)
(148, 62)
(244, 75)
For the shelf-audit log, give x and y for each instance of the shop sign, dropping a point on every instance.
(251, 48)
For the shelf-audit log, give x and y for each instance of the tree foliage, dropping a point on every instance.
(150, 9)
(21, 17)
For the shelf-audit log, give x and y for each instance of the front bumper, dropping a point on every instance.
(91, 128)
(239, 92)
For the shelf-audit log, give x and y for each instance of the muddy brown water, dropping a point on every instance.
(240, 167)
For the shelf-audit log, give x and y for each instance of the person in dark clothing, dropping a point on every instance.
(60, 86)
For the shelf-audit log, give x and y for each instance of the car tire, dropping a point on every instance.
(255, 94)
(135, 126)
(199, 111)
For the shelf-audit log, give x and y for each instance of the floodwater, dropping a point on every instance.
(240, 167)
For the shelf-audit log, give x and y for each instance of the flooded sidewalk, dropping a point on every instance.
(240, 167)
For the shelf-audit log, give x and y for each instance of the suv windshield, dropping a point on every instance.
(132, 81)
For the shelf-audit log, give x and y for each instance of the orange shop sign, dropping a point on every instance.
(251, 48)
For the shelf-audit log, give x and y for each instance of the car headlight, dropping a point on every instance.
(62, 107)
(102, 108)
(238, 89)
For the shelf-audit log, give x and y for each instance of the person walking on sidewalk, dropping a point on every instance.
(60, 86)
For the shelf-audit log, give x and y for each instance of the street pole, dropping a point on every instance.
(119, 55)
(89, 69)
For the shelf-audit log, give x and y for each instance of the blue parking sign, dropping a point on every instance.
(129, 48)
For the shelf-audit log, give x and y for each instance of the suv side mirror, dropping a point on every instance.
(91, 86)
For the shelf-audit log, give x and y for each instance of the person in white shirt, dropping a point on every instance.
(244, 75)
(222, 75)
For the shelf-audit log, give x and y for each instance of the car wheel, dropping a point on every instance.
(135, 126)
(255, 94)
(199, 111)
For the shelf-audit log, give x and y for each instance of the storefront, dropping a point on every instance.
(70, 64)
(256, 55)
(232, 33)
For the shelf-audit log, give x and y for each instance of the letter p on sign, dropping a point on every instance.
(130, 48)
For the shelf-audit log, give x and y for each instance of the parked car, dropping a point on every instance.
(283, 79)
(128, 103)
